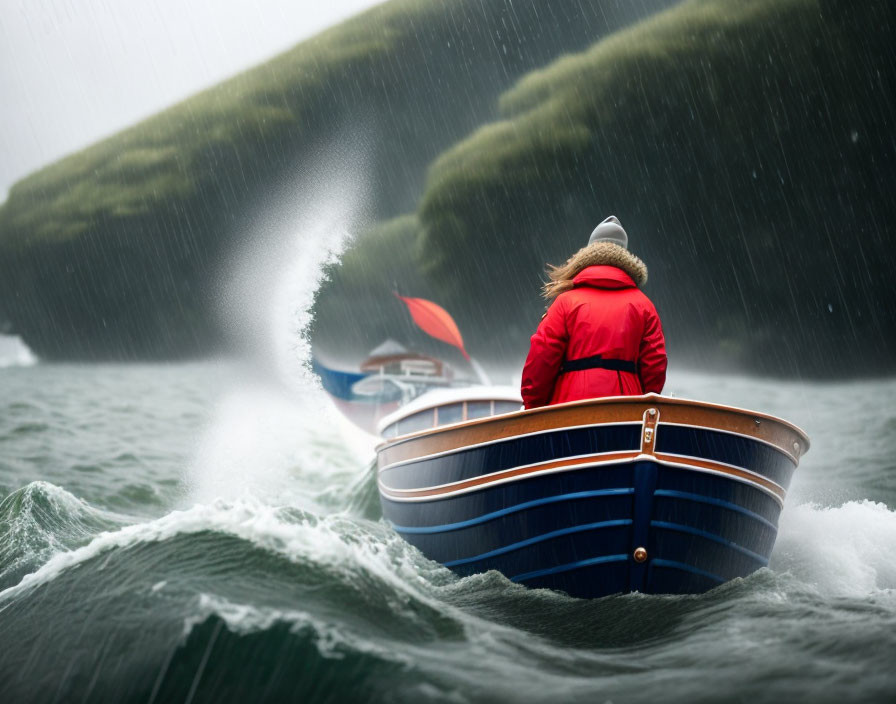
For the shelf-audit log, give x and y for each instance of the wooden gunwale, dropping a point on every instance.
(628, 409)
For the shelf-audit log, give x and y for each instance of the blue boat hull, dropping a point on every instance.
(571, 508)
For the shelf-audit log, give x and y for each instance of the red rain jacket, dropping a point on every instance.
(604, 314)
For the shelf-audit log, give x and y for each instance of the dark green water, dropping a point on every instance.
(193, 533)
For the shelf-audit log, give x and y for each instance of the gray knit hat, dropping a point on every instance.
(610, 230)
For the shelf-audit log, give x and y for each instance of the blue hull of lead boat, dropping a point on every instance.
(647, 494)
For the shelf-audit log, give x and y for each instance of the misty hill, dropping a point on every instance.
(746, 146)
(113, 252)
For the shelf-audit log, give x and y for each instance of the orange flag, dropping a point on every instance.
(435, 321)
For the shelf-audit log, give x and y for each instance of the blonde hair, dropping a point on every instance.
(597, 253)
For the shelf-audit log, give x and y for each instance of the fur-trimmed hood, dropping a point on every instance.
(595, 254)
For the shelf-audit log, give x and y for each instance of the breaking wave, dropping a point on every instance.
(841, 550)
(270, 574)
(15, 353)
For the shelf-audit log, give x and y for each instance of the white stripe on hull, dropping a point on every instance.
(401, 494)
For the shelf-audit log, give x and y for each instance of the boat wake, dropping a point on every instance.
(835, 550)
(840, 550)
(317, 588)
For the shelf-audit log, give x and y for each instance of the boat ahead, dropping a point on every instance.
(646, 493)
(390, 378)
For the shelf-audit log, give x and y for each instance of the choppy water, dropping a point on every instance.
(195, 532)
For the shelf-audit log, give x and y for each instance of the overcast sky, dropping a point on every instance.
(75, 71)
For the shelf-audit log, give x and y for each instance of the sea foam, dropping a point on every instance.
(15, 353)
(842, 550)
(335, 541)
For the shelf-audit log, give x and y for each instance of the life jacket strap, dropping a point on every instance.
(598, 362)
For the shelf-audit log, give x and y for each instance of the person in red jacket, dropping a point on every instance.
(601, 336)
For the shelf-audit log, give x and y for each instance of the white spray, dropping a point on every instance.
(274, 422)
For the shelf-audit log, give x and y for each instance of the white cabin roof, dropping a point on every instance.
(387, 347)
(445, 396)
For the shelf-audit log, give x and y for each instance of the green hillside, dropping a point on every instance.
(748, 149)
(747, 146)
(114, 251)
